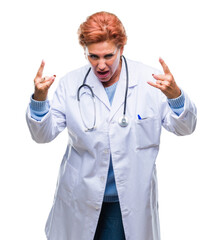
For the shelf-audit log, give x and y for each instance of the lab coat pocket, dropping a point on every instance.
(67, 184)
(147, 130)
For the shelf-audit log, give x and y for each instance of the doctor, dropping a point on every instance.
(113, 110)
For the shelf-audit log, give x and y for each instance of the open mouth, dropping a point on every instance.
(103, 74)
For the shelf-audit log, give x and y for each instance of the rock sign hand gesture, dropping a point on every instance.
(166, 82)
(42, 84)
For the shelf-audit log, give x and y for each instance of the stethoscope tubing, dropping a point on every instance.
(126, 89)
(85, 85)
(123, 121)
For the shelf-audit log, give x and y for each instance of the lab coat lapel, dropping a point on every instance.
(98, 89)
(119, 96)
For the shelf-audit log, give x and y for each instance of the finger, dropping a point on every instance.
(44, 82)
(48, 79)
(164, 66)
(39, 80)
(43, 79)
(163, 85)
(158, 82)
(159, 77)
(40, 71)
(49, 82)
(156, 85)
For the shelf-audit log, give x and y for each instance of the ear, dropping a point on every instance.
(121, 50)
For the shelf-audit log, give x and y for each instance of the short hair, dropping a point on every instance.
(100, 27)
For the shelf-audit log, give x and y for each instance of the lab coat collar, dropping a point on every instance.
(132, 81)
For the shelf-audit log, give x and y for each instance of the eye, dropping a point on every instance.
(109, 56)
(93, 57)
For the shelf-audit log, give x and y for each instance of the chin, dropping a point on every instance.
(104, 80)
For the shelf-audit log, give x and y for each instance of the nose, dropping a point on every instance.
(101, 65)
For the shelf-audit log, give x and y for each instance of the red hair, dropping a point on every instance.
(102, 26)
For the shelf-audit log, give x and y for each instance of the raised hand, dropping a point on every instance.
(42, 84)
(166, 82)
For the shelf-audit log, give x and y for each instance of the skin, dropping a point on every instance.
(42, 84)
(166, 82)
(98, 56)
(107, 69)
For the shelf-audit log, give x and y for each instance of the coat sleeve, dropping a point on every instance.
(53, 122)
(181, 125)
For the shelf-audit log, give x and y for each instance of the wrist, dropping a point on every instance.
(39, 106)
(177, 102)
(39, 96)
(176, 94)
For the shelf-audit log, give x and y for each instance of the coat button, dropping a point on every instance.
(97, 207)
(126, 211)
(102, 179)
(106, 151)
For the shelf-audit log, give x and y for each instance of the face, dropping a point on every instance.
(104, 58)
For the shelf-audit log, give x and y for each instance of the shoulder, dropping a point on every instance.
(73, 79)
(75, 76)
(140, 74)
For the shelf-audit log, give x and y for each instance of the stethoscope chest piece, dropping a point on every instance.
(123, 121)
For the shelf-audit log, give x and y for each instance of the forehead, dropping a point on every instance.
(101, 48)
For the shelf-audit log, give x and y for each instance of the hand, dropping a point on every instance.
(166, 82)
(42, 84)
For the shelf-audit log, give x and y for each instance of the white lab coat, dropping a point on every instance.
(83, 171)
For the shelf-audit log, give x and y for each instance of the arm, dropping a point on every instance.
(45, 122)
(183, 124)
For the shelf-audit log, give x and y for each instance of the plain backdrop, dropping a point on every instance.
(181, 32)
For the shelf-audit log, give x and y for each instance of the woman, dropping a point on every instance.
(107, 187)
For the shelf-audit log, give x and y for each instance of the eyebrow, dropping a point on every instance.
(89, 53)
(112, 53)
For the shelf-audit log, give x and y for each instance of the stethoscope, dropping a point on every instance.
(123, 121)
